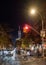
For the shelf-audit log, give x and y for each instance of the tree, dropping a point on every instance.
(4, 38)
(26, 40)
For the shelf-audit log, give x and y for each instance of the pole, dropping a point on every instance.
(42, 33)
(42, 38)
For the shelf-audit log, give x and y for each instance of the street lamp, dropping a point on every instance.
(33, 12)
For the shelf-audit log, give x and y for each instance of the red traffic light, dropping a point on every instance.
(26, 28)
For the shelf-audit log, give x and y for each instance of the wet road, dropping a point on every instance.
(20, 61)
(9, 61)
(35, 61)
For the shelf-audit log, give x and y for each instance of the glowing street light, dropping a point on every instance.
(26, 28)
(33, 11)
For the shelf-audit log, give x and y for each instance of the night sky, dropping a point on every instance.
(14, 13)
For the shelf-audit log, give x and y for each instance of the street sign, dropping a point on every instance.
(42, 33)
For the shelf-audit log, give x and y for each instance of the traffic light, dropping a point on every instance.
(26, 28)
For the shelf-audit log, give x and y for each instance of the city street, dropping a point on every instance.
(23, 32)
(9, 61)
(17, 61)
(35, 61)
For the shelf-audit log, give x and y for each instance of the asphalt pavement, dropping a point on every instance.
(22, 61)
(34, 61)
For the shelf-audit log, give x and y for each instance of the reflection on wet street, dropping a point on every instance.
(12, 58)
(17, 61)
(9, 57)
(9, 61)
